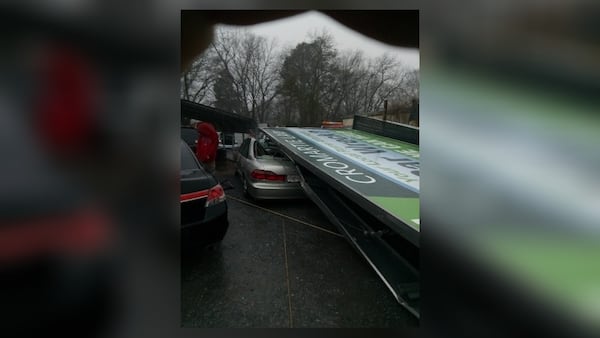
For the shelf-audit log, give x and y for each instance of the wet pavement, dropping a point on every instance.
(273, 271)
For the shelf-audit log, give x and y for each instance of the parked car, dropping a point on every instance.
(202, 201)
(266, 172)
(190, 136)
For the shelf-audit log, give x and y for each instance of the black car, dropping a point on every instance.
(203, 206)
(190, 136)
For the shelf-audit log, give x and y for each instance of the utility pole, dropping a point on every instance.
(253, 109)
(385, 110)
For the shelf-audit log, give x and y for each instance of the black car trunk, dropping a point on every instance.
(193, 180)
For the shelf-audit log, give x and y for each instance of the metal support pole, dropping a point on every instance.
(385, 110)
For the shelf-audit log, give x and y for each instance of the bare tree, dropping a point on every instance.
(401, 100)
(410, 86)
(350, 72)
(247, 74)
(263, 77)
(384, 77)
(197, 83)
(250, 63)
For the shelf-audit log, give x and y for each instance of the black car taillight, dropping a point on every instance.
(193, 196)
(267, 176)
(215, 195)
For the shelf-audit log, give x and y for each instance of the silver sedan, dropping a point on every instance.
(266, 172)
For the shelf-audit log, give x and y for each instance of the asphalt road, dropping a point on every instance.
(278, 272)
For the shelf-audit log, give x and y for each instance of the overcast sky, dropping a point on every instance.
(290, 31)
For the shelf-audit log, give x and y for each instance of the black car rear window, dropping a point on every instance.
(188, 160)
(189, 135)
